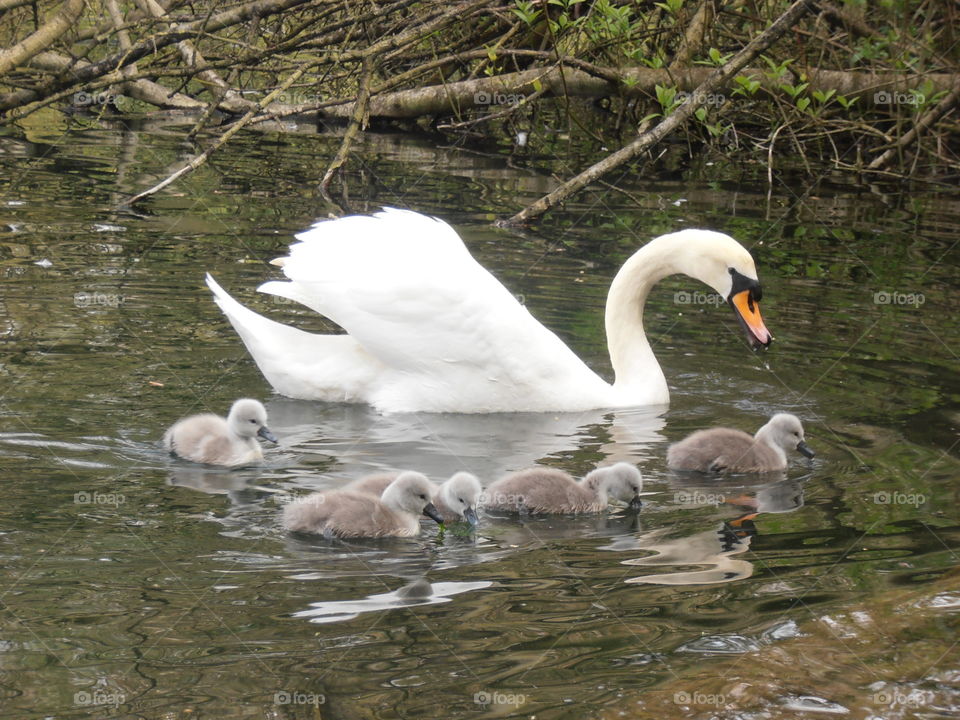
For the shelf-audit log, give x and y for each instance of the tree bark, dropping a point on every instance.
(150, 46)
(140, 89)
(45, 35)
(561, 81)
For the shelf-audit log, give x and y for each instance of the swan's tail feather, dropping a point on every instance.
(289, 290)
(297, 363)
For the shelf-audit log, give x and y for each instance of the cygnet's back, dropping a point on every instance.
(725, 449)
(348, 514)
(551, 491)
(373, 484)
(719, 449)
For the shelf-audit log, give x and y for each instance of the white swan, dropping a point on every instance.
(429, 329)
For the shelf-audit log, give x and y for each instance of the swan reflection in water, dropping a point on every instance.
(362, 441)
(418, 592)
(715, 550)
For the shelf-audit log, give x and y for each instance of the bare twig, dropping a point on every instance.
(648, 139)
(926, 120)
(42, 38)
(220, 142)
(357, 123)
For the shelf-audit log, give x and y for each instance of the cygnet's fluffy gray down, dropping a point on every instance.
(349, 514)
(550, 491)
(456, 499)
(725, 449)
(230, 441)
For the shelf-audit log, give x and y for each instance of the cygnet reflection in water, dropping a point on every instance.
(418, 592)
(714, 549)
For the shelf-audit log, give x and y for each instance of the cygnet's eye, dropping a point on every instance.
(423, 497)
(462, 500)
(797, 434)
(254, 422)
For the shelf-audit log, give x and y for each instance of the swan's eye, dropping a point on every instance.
(423, 497)
(254, 422)
(462, 500)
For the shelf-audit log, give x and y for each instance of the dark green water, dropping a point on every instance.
(132, 586)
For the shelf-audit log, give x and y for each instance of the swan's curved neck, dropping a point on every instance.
(636, 369)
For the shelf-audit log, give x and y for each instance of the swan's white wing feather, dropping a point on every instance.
(404, 286)
(299, 364)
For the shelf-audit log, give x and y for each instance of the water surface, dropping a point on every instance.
(136, 586)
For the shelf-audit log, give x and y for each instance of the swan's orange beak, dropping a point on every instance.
(748, 312)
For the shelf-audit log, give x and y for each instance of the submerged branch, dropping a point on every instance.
(220, 142)
(357, 122)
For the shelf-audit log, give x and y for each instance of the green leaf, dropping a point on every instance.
(671, 6)
(823, 97)
(666, 97)
(526, 11)
(748, 86)
(793, 90)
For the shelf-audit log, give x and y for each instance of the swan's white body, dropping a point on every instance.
(430, 330)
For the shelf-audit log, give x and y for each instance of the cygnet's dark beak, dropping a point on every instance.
(265, 433)
(471, 516)
(635, 504)
(431, 512)
(805, 450)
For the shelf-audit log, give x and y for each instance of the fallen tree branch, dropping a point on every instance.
(563, 80)
(228, 98)
(42, 38)
(686, 109)
(926, 120)
(139, 89)
(222, 140)
(11, 4)
(357, 123)
(147, 47)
